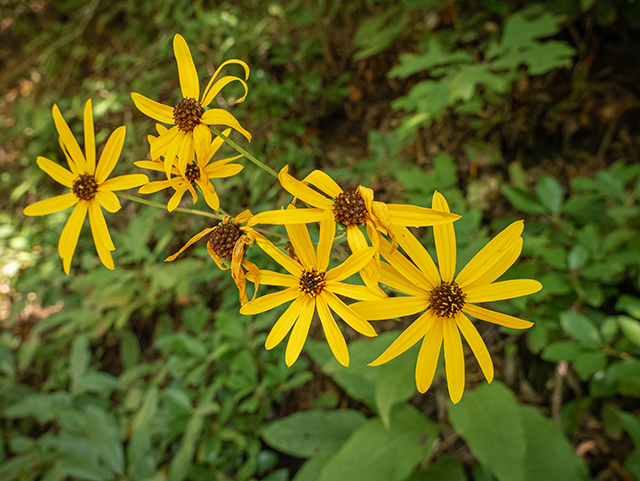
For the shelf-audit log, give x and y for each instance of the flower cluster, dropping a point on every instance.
(383, 252)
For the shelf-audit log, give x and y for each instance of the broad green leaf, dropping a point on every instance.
(435, 57)
(129, 349)
(395, 382)
(463, 85)
(311, 469)
(379, 33)
(377, 454)
(550, 193)
(40, 406)
(79, 363)
(195, 318)
(587, 363)
(312, 433)
(629, 304)
(580, 327)
(561, 351)
(489, 421)
(77, 467)
(623, 375)
(522, 200)
(444, 468)
(103, 435)
(631, 329)
(141, 463)
(577, 257)
(631, 424)
(183, 460)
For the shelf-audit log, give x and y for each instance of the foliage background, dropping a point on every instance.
(511, 109)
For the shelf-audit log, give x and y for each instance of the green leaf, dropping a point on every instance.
(463, 85)
(395, 382)
(488, 420)
(181, 463)
(629, 304)
(550, 193)
(79, 363)
(580, 328)
(577, 257)
(623, 375)
(435, 56)
(103, 435)
(38, 405)
(379, 33)
(195, 318)
(129, 349)
(140, 460)
(587, 363)
(561, 351)
(444, 468)
(377, 454)
(311, 433)
(630, 328)
(522, 200)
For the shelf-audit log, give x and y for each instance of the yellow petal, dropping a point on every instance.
(361, 293)
(350, 266)
(124, 182)
(161, 146)
(186, 153)
(428, 356)
(484, 259)
(202, 142)
(176, 198)
(89, 138)
(210, 168)
(391, 277)
(301, 242)
(496, 317)
(418, 254)
(499, 291)
(108, 200)
(445, 238)
(49, 206)
(332, 332)
(302, 191)
(453, 359)
(390, 308)
(69, 141)
(70, 234)
(186, 68)
(292, 267)
(210, 196)
(110, 154)
(191, 241)
(299, 334)
(412, 334)
(222, 117)
(227, 62)
(219, 85)
(160, 112)
(323, 182)
(153, 187)
(223, 171)
(269, 301)
(414, 216)
(216, 144)
(477, 345)
(280, 217)
(405, 267)
(172, 152)
(498, 266)
(355, 320)
(72, 165)
(150, 165)
(370, 271)
(270, 278)
(325, 241)
(100, 233)
(286, 321)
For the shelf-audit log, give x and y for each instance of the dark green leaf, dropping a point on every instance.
(580, 328)
(103, 435)
(550, 193)
(522, 200)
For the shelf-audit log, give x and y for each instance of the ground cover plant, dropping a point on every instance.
(148, 371)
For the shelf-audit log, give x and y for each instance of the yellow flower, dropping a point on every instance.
(228, 241)
(351, 208)
(446, 300)
(89, 186)
(189, 117)
(311, 287)
(199, 172)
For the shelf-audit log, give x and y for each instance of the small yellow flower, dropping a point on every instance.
(189, 117)
(228, 241)
(311, 287)
(198, 171)
(351, 208)
(445, 300)
(90, 189)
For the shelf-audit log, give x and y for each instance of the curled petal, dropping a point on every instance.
(323, 182)
(222, 83)
(191, 241)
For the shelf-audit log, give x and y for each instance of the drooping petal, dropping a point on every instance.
(270, 278)
(303, 192)
(172, 152)
(124, 182)
(332, 332)
(186, 153)
(100, 233)
(110, 154)
(499, 291)
(453, 359)
(299, 333)
(293, 267)
(500, 264)
(49, 206)
(301, 242)
(70, 234)
(445, 238)
(412, 334)
(89, 138)
(325, 241)
(477, 345)
(360, 293)
(186, 68)
(191, 241)
(269, 301)
(222, 117)
(108, 200)
(162, 143)
(210, 195)
(155, 110)
(355, 320)
(227, 62)
(286, 321)
(391, 277)
(155, 186)
(414, 216)
(350, 266)
(219, 85)
(483, 260)
(496, 317)
(280, 217)
(428, 356)
(369, 272)
(69, 141)
(390, 308)
(176, 197)
(404, 266)
(323, 182)
(418, 254)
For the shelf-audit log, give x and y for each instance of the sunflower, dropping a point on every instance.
(311, 287)
(444, 301)
(198, 171)
(351, 208)
(228, 242)
(189, 117)
(89, 188)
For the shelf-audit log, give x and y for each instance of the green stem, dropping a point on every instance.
(164, 207)
(245, 153)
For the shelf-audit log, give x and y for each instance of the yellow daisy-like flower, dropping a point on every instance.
(446, 300)
(351, 208)
(228, 241)
(311, 287)
(89, 186)
(198, 171)
(189, 117)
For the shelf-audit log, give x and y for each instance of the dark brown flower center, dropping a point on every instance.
(349, 208)
(223, 239)
(312, 282)
(85, 187)
(187, 114)
(192, 172)
(447, 299)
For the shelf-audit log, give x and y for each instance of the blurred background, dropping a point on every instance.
(514, 110)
